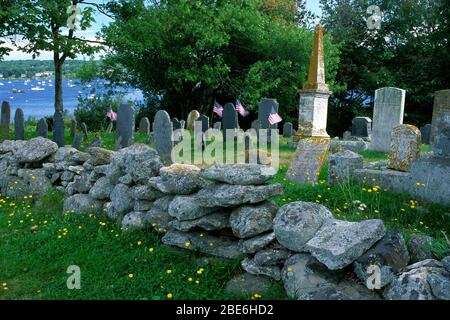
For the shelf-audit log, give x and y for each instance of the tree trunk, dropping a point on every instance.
(58, 85)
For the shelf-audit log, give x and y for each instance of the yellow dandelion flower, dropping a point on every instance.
(187, 244)
(151, 249)
(130, 275)
(169, 295)
(139, 243)
(168, 271)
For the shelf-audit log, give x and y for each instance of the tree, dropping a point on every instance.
(8, 14)
(189, 53)
(410, 51)
(42, 25)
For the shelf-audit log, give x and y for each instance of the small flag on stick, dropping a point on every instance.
(240, 108)
(274, 117)
(111, 115)
(218, 109)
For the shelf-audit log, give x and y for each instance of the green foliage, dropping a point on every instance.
(14, 69)
(245, 52)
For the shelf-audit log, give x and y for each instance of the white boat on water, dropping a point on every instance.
(1, 84)
(37, 89)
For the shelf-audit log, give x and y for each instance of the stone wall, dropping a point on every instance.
(226, 211)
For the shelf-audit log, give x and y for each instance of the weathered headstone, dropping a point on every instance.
(73, 128)
(346, 135)
(144, 126)
(218, 125)
(163, 130)
(388, 113)
(176, 124)
(182, 124)
(229, 117)
(425, 131)
(110, 127)
(405, 147)
(192, 117)
(361, 127)
(441, 113)
(288, 130)
(341, 166)
(19, 125)
(42, 128)
(205, 122)
(441, 147)
(264, 110)
(125, 126)
(308, 160)
(77, 141)
(58, 128)
(5, 120)
(84, 128)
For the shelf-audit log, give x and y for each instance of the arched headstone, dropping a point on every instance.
(163, 130)
(19, 125)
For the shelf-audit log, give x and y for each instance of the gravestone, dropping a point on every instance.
(341, 166)
(264, 111)
(256, 124)
(346, 135)
(163, 130)
(125, 126)
(441, 147)
(182, 124)
(19, 125)
(84, 128)
(176, 124)
(361, 127)
(192, 117)
(405, 147)
(387, 114)
(42, 128)
(205, 122)
(110, 127)
(144, 126)
(425, 131)
(441, 113)
(218, 126)
(58, 128)
(229, 117)
(309, 157)
(73, 128)
(5, 120)
(77, 141)
(288, 130)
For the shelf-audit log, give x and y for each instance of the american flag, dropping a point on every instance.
(241, 109)
(274, 117)
(111, 115)
(218, 109)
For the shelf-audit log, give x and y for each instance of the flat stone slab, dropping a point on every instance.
(239, 174)
(338, 243)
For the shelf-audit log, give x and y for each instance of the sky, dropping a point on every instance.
(101, 20)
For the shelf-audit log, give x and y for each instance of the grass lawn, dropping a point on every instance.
(38, 242)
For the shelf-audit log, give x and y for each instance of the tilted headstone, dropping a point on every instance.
(84, 128)
(288, 130)
(176, 124)
(192, 117)
(425, 131)
(388, 113)
(441, 147)
(441, 113)
(347, 135)
(42, 128)
(182, 124)
(218, 125)
(73, 128)
(163, 130)
(229, 119)
(125, 126)
(405, 147)
(144, 126)
(5, 121)
(19, 125)
(77, 141)
(205, 122)
(361, 127)
(58, 128)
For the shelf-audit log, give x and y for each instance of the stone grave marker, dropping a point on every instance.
(144, 126)
(73, 128)
(288, 130)
(77, 141)
(441, 113)
(58, 128)
(425, 131)
(19, 125)
(205, 122)
(125, 126)
(441, 147)
(5, 121)
(405, 147)
(229, 119)
(176, 124)
(42, 128)
(256, 124)
(192, 117)
(264, 110)
(361, 127)
(84, 128)
(388, 113)
(218, 125)
(110, 127)
(346, 135)
(163, 130)
(182, 124)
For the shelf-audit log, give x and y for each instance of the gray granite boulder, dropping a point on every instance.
(225, 195)
(145, 192)
(338, 243)
(35, 150)
(133, 221)
(257, 243)
(239, 174)
(181, 179)
(210, 222)
(252, 220)
(420, 247)
(11, 146)
(297, 222)
(247, 284)
(271, 271)
(100, 156)
(102, 189)
(120, 198)
(157, 218)
(270, 257)
(188, 208)
(82, 203)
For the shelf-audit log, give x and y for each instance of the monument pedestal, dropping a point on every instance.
(308, 160)
(312, 115)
